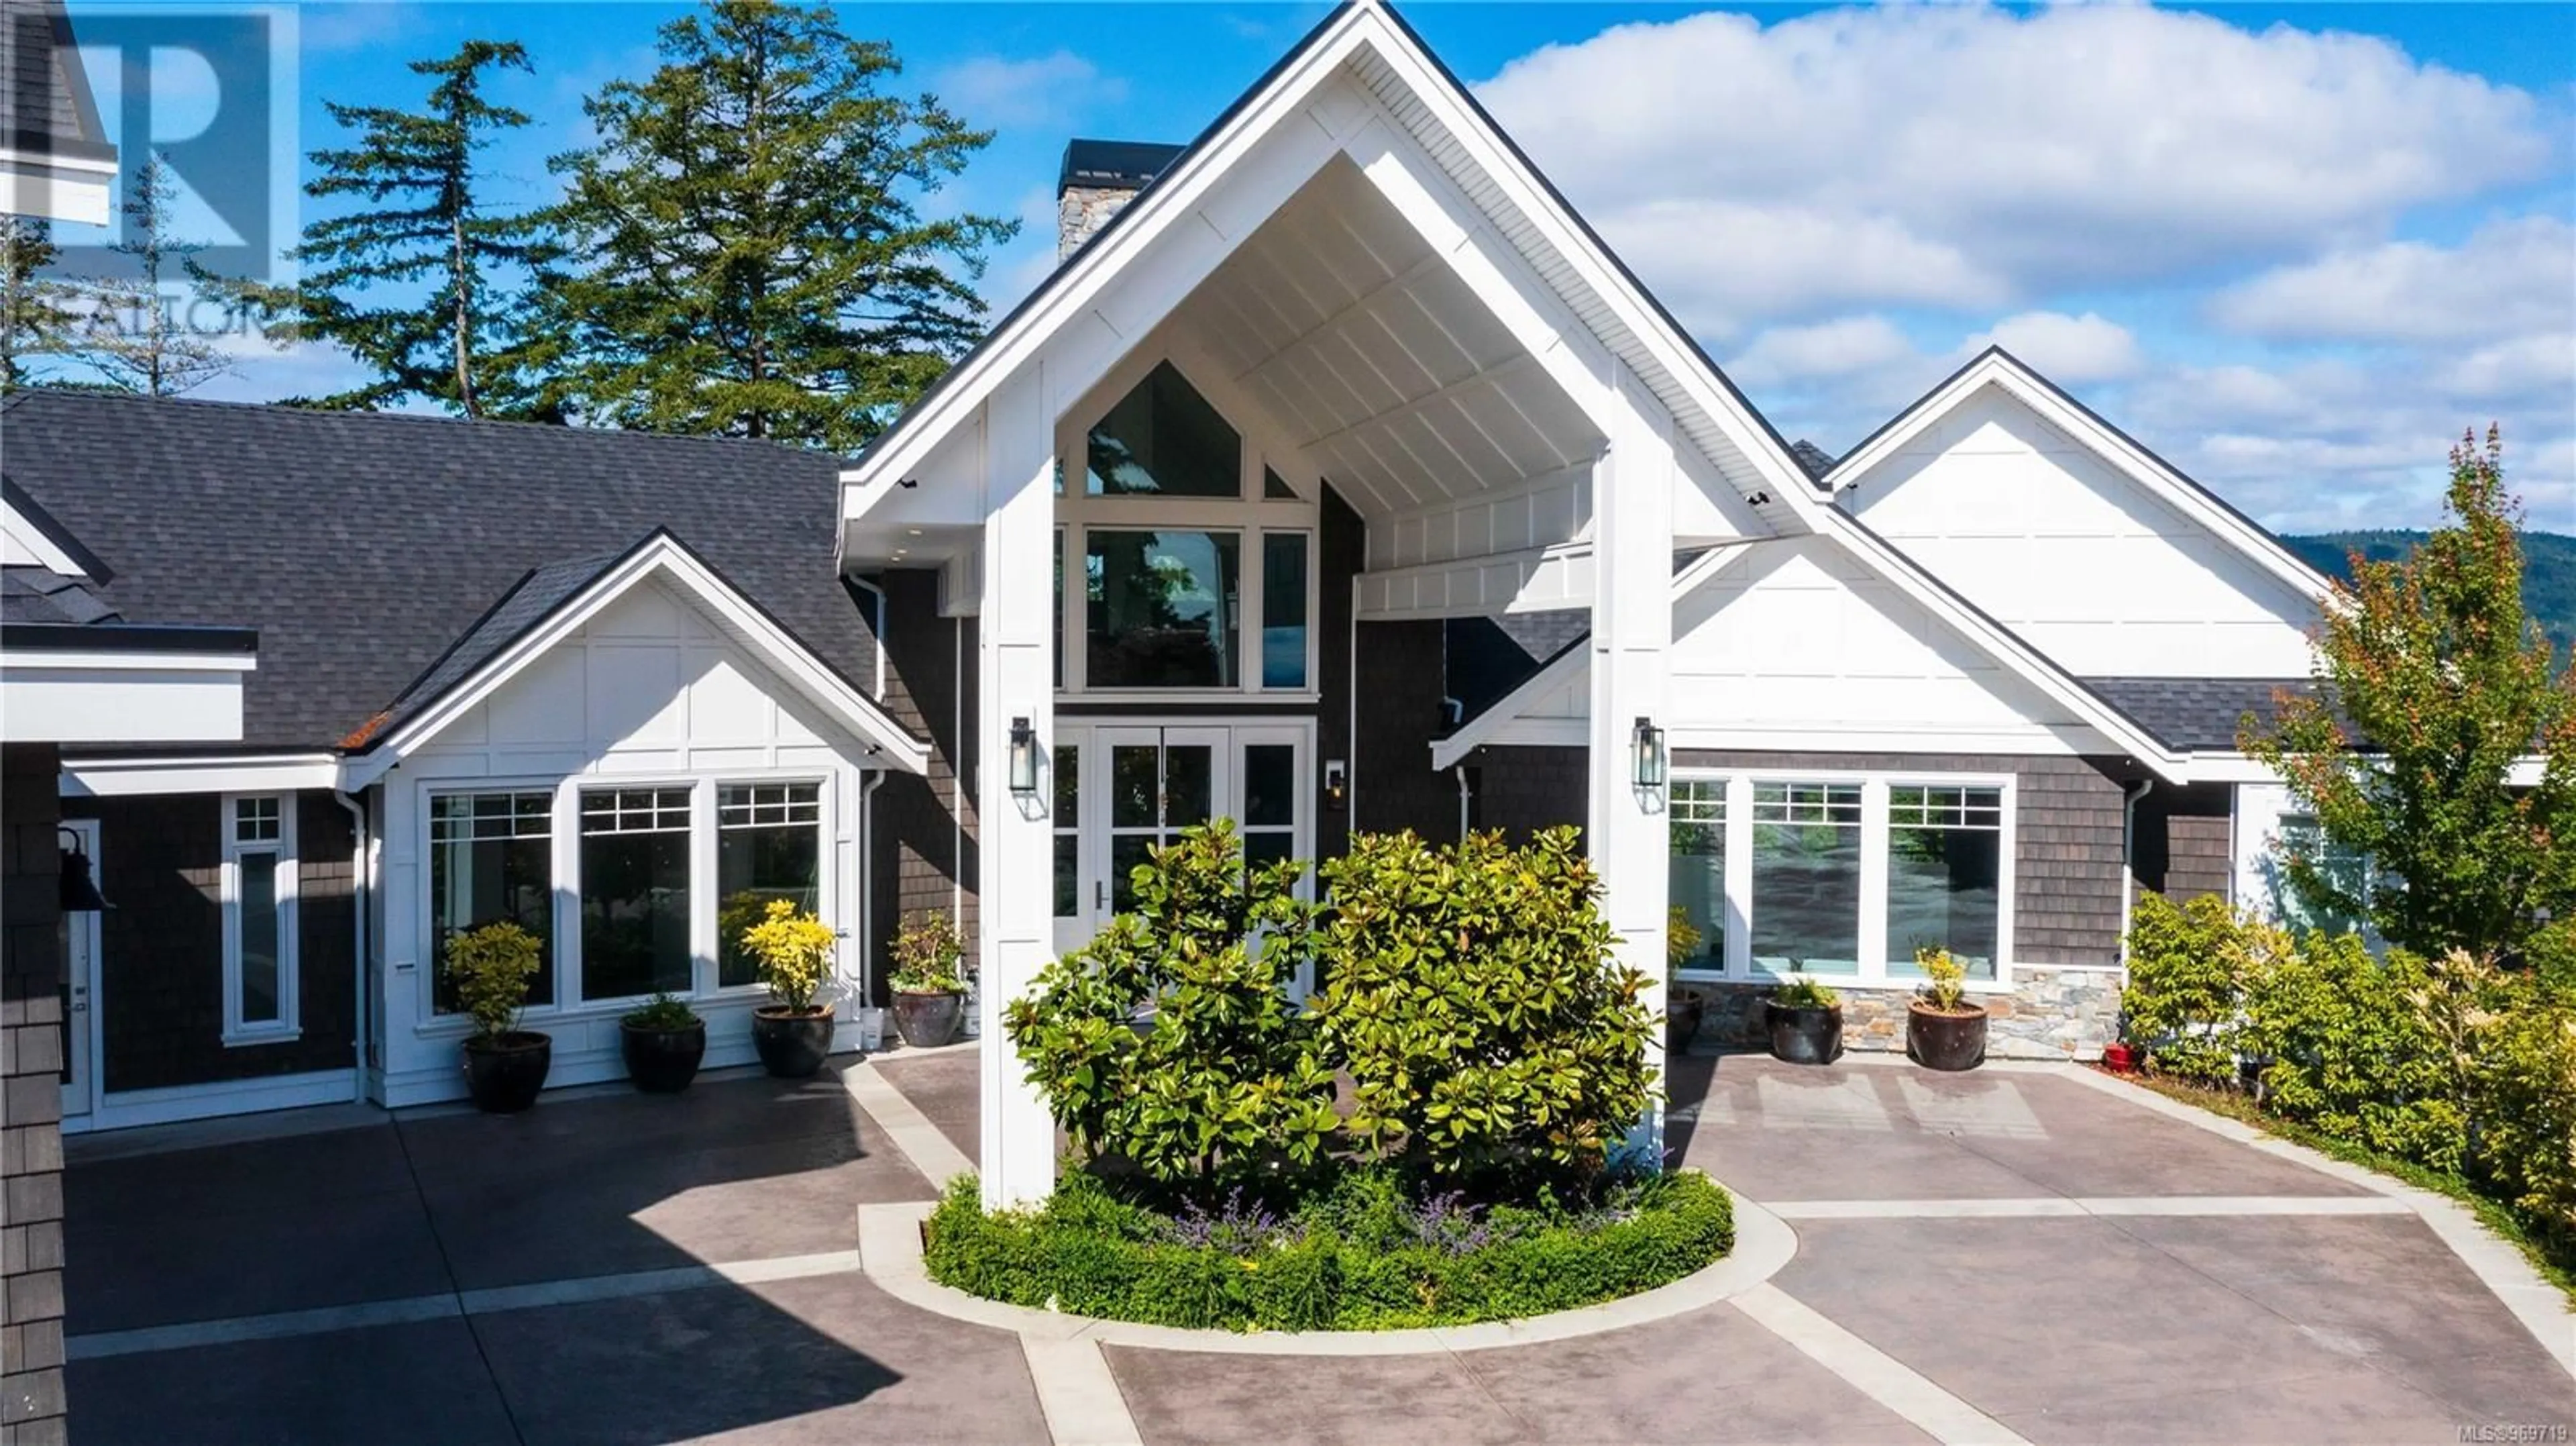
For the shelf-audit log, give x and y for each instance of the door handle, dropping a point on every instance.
(1100, 893)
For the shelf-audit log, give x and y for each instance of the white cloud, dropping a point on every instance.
(992, 90)
(2510, 277)
(1969, 155)
(2069, 350)
(1826, 351)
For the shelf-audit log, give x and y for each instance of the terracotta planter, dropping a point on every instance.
(1812, 1035)
(2121, 1058)
(793, 1044)
(927, 1021)
(504, 1075)
(1683, 1013)
(1944, 1041)
(663, 1061)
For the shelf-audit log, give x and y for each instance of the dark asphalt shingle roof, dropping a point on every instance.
(2194, 713)
(365, 546)
(1489, 657)
(41, 595)
(45, 103)
(1813, 458)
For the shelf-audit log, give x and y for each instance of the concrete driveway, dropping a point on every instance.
(1998, 1256)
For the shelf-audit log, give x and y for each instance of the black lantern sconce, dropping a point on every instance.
(1649, 747)
(79, 893)
(1024, 758)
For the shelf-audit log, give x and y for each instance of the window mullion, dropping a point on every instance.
(1873, 878)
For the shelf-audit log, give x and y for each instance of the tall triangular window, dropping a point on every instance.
(1164, 440)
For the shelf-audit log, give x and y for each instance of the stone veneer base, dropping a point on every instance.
(2065, 1012)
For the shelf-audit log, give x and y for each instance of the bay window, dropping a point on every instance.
(491, 858)
(634, 892)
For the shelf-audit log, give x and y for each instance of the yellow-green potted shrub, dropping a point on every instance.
(929, 981)
(1684, 1007)
(491, 965)
(792, 1033)
(1943, 1030)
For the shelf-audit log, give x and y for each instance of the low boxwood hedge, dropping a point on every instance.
(1368, 1252)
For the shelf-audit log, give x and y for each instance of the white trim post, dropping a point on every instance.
(1632, 629)
(1015, 842)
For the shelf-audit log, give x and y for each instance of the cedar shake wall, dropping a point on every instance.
(2183, 840)
(161, 948)
(2070, 818)
(1400, 712)
(1343, 551)
(1524, 790)
(31, 1098)
(914, 858)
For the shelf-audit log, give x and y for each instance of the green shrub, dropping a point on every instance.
(1228, 1078)
(2349, 1049)
(794, 950)
(2520, 1081)
(929, 956)
(491, 966)
(1362, 1254)
(1474, 1000)
(1804, 991)
(2188, 966)
(664, 1010)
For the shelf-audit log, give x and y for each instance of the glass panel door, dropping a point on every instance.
(1153, 783)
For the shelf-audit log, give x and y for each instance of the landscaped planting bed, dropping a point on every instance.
(1366, 1253)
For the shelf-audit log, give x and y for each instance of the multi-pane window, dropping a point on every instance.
(1163, 439)
(2346, 872)
(1944, 874)
(1806, 900)
(491, 859)
(1698, 870)
(1283, 610)
(769, 845)
(1269, 803)
(1068, 830)
(634, 892)
(259, 920)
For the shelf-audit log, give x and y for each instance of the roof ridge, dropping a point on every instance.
(284, 410)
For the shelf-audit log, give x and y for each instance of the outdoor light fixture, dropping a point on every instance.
(1024, 758)
(79, 894)
(1650, 753)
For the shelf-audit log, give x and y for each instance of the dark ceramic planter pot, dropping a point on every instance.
(504, 1075)
(927, 1021)
(792, 1045)
(1683, 1014)
(1810, 1035)
(1945, 1041)
(663, 1061)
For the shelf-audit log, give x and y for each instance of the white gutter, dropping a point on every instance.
(361, 892)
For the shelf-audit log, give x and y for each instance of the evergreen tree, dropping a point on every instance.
(427, 234)
(34, 317)
(748, 256)
(2442, 683)
(133, 335)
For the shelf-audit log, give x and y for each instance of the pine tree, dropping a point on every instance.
(2443, 684)
(427, 234)
(748, 254)
(134, 336)
(34, 317)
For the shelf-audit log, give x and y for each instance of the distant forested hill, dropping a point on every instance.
(2548, 578)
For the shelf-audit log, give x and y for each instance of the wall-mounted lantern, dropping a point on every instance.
(1024, 758)
(78, 892)
(1649, 748)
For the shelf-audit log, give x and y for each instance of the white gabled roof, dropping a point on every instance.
(1367, 41)
(2005, 372)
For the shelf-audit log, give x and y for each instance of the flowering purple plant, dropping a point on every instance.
(1237, 1228)
(1450, 1223)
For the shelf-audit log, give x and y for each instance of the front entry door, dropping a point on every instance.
(1121, 789)
(80, 993)
(1155, 782)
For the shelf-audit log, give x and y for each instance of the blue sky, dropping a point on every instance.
(2293, 247)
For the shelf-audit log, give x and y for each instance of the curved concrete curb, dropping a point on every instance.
(890, 1255)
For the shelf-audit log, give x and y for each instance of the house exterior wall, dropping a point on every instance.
(922, 833)
(648, 693)
(31, 1099)
(1523, 790)
(2182, 841)
(2047, 536)
(1399, 711)
(160, 993)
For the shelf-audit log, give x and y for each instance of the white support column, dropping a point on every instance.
(1632, 629)
(1015, 845)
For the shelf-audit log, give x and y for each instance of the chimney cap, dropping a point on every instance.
(1113, 165)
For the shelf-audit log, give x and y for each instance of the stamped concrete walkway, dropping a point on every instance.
(2008, 1255)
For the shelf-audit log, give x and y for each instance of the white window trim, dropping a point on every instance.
(288, 1025)
(569, 1007)
(1874, 964)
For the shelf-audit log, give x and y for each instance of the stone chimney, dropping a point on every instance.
(1098, 180)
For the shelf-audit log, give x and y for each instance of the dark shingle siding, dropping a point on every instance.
(361, 546)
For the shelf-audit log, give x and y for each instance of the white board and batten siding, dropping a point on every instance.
(2045, 535)
(649, 692)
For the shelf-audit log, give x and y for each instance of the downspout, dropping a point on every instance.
(1351, 749)
(1464, 799)
(2129, 864)
(868, 885)
(957, 775)
(361, 895)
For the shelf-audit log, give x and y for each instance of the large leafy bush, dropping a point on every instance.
(1475, 1003)
(2188, 964)
(2350, 1047)
(1169, 1039)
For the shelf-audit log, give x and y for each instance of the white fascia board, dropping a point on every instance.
(109, 662)
(662, 557)
(1892, 566)
(1497, 723)
(2007, 374)
(56, 188)
(119, 777)
(2231, 767)
(125, 705)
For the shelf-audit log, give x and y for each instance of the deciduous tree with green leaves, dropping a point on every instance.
(750, 253)
(2431, 684)
(36, 317)
(133, 333)
(427, 282)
